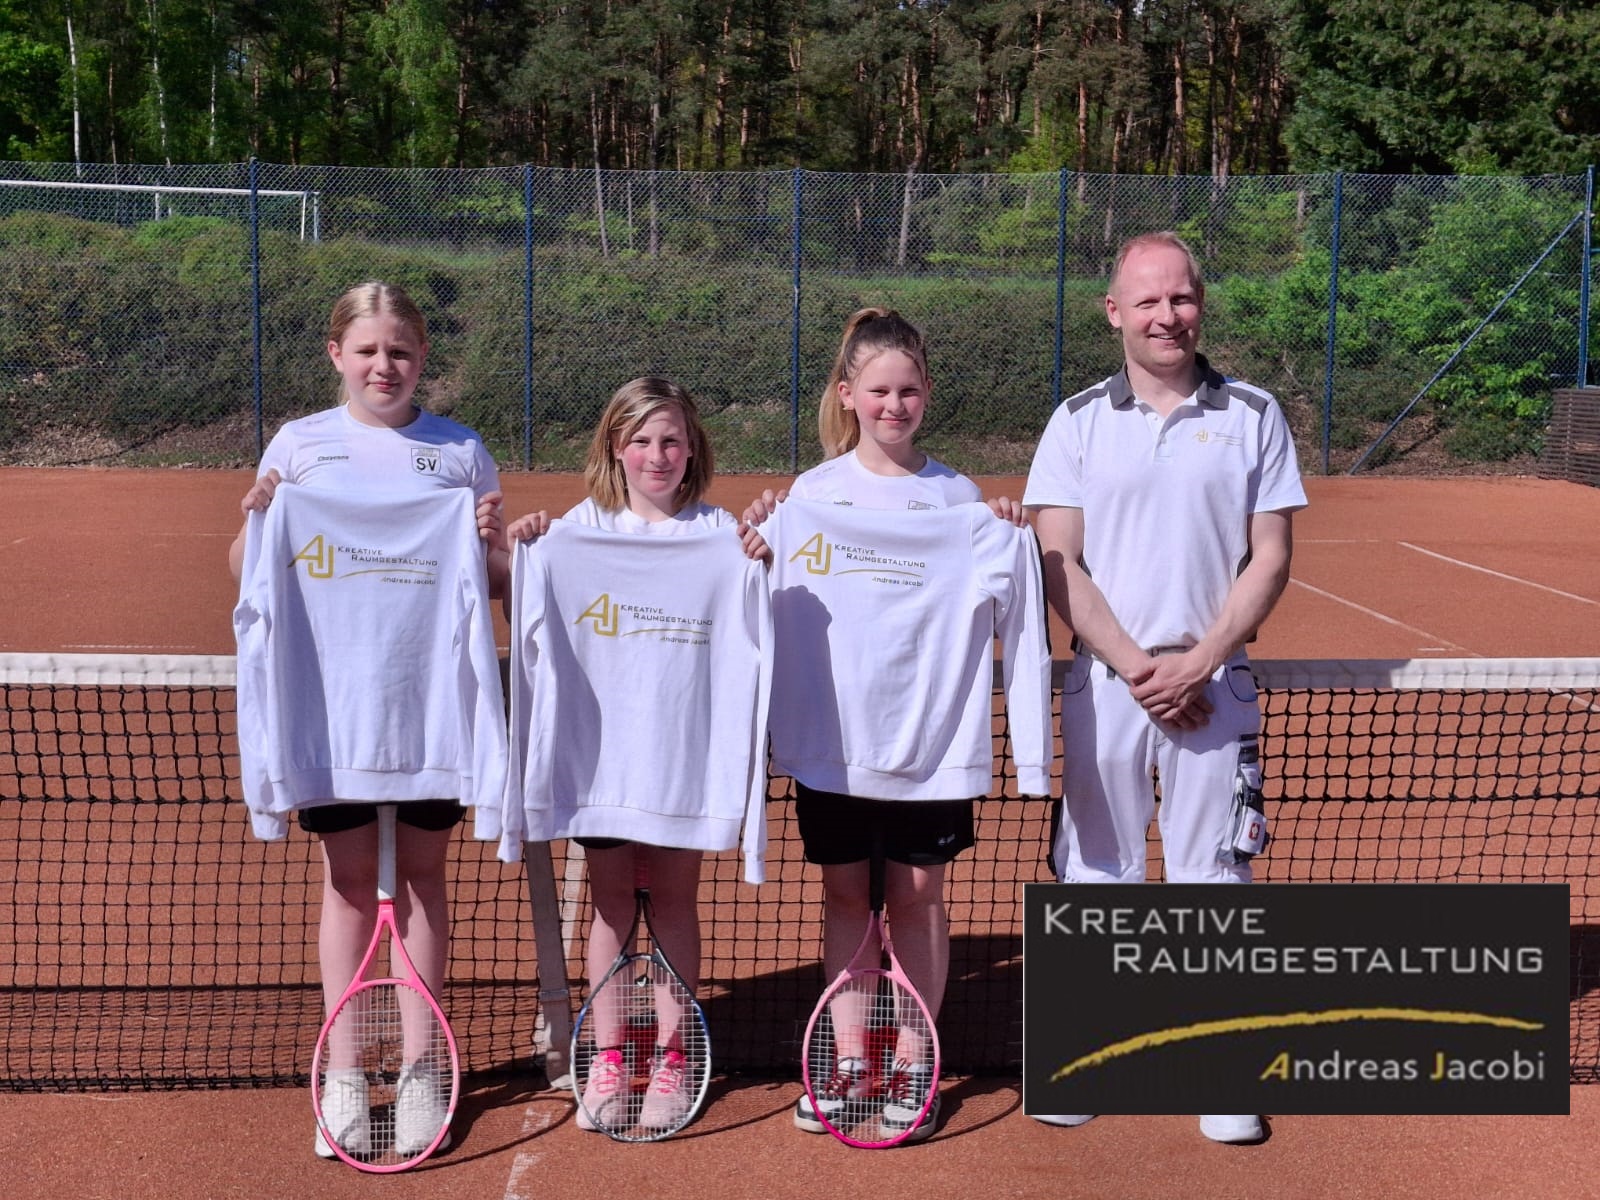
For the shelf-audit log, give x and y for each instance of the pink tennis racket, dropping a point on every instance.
(385, 1075)
(871, 1057)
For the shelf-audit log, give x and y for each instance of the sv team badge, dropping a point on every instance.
(426, 461)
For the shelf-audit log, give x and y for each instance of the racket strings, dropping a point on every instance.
(642, 1054)
(386, 1082)
(870, 1060)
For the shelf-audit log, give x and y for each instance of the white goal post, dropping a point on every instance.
(310, 201)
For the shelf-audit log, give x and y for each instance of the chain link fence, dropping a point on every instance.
(162, 316)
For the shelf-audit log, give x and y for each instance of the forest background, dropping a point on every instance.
(1391, 201)
(1180, 87)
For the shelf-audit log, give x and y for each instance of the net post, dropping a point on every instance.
(555, 1006)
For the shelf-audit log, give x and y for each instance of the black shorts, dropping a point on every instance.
(602, 843)
(434, 815)
(839, 829)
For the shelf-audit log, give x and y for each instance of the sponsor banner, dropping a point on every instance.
(1295, 998)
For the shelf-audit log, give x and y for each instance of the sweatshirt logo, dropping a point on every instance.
(426, 462)
(318, 557)
(817, 553)
(604, 615)
(625, 619)
(321, 557)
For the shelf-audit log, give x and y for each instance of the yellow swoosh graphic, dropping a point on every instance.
(388, 571)
(1294, 1020)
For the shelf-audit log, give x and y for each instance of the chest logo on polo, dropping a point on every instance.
(817, 554)
(603, 614)
(318, 556)
(1212, 437)
(426, 460)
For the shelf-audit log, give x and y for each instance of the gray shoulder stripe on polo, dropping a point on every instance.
(1256, 400)
(1085, 398)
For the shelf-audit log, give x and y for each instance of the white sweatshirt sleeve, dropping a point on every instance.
(758, 616)
(252, 628)
(1012, 574)
(527, 615)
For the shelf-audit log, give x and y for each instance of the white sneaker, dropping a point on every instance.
(607, 1085)
(420, 1108)
(346, 1113)
(1054, 1119)
(851, 1081)
(1233, 1130)
(908, 1088)
(666, 1100)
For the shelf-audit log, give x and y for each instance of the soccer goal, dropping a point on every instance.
(158, 201)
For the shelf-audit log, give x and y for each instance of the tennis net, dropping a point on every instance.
(147, 940)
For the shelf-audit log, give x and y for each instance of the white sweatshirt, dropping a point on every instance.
(367, 663)
(640, 669)
(884, 671)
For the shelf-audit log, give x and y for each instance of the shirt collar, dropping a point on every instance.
(1212, 392)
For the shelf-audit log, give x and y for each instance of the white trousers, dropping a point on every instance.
(1112, 754)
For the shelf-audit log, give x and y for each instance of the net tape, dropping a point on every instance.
(147, 940)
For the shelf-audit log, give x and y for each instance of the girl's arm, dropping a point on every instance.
(255, 500)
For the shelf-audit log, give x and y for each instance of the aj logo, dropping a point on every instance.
(604, 615)
(817, 553)
(318, 557)
(426, 462)
(1202, 436)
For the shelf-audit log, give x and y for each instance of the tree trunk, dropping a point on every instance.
(72, 54)
(1180, 116)
(155, 78)
(905, 218)
(655, 225)
(1038, 56)
(599, 182)
(336, 88)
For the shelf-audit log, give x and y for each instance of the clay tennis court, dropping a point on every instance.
(133, 562)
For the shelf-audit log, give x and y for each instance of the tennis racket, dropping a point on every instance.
(871, 1057)
(385, 1076)
(641, 1054)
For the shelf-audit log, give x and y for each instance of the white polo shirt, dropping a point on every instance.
(1166, 501)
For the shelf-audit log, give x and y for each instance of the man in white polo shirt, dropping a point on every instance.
(1162, 498)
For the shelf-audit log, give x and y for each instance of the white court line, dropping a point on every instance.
(534, 1122)
(1388, 620)
(1499, 574)
(139, 646)
(522, 1165)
